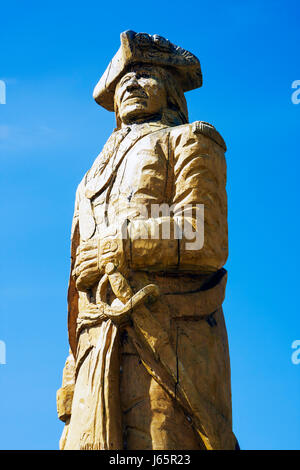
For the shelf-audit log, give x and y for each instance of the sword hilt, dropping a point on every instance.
(123, 292)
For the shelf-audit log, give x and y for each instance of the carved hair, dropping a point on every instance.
(176, 112)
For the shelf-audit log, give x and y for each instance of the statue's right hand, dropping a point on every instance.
(86, 271)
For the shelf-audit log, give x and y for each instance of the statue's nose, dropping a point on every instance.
(133, 85)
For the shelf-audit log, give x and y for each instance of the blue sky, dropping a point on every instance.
(52, 54)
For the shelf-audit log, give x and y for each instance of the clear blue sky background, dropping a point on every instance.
(51, 56)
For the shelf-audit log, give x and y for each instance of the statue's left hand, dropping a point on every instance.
(86, 270)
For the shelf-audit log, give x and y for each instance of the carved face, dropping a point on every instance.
(140, 94)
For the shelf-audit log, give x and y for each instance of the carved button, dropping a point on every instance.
(110, 245)
(113, 245)
(106, 247)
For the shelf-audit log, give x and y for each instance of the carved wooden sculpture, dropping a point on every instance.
(149, 363)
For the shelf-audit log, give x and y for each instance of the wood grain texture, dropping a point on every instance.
(147, 334)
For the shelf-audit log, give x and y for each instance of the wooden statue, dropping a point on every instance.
(149, 363)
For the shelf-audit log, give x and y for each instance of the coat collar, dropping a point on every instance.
(113, 154)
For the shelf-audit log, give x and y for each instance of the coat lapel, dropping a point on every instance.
(100, 180)
(103, 170)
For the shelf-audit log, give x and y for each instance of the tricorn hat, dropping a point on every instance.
(142, 48)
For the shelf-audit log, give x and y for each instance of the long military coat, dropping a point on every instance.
(140, 167)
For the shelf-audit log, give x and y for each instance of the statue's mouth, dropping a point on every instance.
(136, 94)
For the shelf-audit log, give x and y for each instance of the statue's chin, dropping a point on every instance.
(134, 113)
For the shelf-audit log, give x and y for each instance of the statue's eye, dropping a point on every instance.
(142, 75)
(124, 80)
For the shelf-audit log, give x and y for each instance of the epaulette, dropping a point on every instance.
(201, 127)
